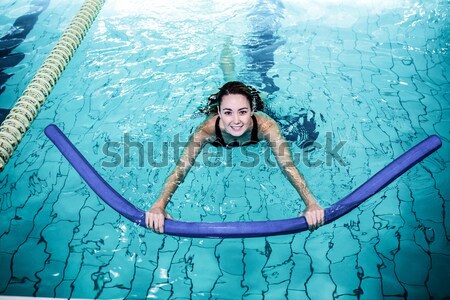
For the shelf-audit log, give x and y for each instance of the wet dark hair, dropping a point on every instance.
(233, 88)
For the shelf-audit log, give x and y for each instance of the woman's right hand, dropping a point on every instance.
(155, 217)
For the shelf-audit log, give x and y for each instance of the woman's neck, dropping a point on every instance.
(229, 138)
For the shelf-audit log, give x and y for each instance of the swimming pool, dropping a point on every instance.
(376, 78)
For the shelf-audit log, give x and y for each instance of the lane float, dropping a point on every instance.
(240, 229)
(27, 107)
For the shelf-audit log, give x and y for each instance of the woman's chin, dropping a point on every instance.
(236, 132)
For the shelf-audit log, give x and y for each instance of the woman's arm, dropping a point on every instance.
(313, 213)
(156, 215)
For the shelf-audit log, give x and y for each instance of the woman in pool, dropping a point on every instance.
(235, 120)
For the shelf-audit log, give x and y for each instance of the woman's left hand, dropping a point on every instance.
(315, 216)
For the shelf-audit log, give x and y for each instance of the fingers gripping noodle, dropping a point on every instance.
(240, 229)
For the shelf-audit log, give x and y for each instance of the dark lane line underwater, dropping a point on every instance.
(12, 39)
(263, 41)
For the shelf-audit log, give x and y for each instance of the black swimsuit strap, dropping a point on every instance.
(219, 136)
(254, 137)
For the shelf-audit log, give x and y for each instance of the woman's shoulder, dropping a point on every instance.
(207, 127)
(265, 122)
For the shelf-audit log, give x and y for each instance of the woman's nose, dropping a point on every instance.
(236, 119)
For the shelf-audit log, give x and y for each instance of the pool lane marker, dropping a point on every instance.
(241, 229)
(26, 108)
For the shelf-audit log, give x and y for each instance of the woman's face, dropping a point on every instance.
(235, 113)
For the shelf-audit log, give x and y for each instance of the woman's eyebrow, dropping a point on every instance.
(239, 109)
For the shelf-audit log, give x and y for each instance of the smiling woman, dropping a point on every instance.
(233, 122)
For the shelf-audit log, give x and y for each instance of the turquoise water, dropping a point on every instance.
(376, 76)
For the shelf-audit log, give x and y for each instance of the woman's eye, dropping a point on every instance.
(228, 113)
(243, 112)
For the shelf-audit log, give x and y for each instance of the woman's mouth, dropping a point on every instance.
(236, 127)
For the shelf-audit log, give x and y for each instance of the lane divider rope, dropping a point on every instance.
(27, 107)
